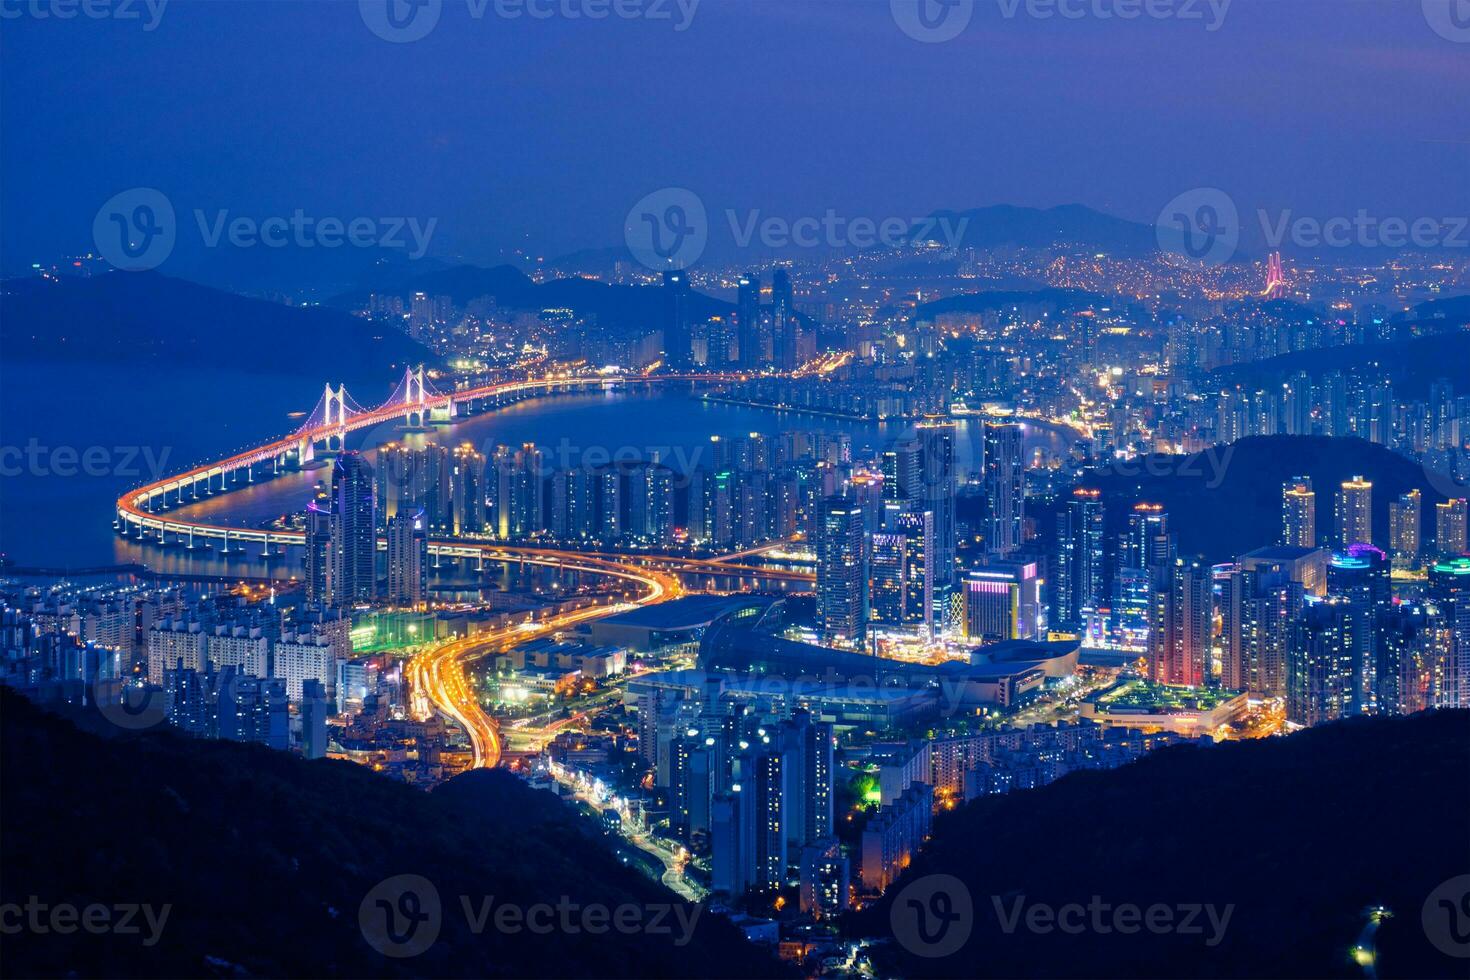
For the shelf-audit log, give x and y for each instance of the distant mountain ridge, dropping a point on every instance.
(613, 304)
(1063, 300)
(1226, 500)
(150, 319)
(1413, 364)
(1067, 224)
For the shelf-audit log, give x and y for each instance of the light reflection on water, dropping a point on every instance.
(676, 425)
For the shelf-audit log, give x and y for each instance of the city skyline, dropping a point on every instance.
(893, 489)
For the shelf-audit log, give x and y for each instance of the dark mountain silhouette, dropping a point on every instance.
(1062, 300)
(1067, 225)
(1454, 310)
(1413, 365)
(1227, 500)
(149, 319)
(1295, 835)
(613, 305)
(265, 860)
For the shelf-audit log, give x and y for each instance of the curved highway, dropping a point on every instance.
(437, 676)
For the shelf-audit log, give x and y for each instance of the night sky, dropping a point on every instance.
(543, 132)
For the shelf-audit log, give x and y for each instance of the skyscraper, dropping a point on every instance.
(783, 320)
(1403, 530)
(902, 469)
(1079, 575)
(1181, 625)
(842, 573)
(352, 576)
(747, 324)
(1355, 513)
(1450, 527)
(678, 344)
(519, 508)
(1361, 576)
(315, 706)
(1143, 548)
(901, 569)
(408, 559)
(1005, 487)
(318, 551)
(937, 477)
(467, 490)
(1002, 601)
(1321, 660)
(1299, 513)
(609, 486)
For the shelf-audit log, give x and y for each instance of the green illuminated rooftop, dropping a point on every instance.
(1148, 697)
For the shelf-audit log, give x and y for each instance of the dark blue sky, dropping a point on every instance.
(547, 131)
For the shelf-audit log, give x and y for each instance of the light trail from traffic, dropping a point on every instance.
(438, 676)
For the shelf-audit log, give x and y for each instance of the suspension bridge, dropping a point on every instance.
(146, 513)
